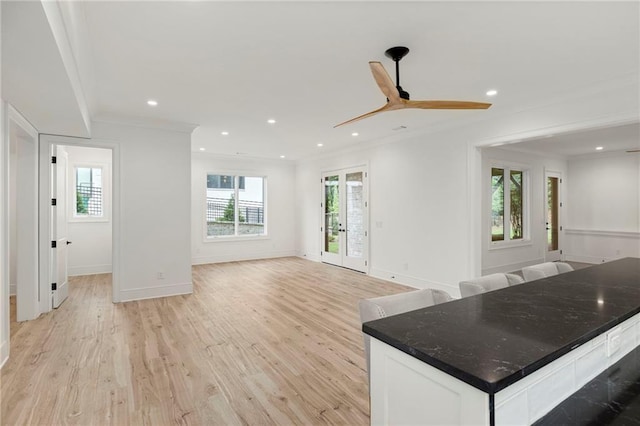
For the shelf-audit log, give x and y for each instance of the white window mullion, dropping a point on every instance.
(236, 216)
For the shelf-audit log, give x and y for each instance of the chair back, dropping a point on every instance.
(385, 306)
(544, 270)
(488, 283)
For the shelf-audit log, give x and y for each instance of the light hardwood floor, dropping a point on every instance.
(261, 342)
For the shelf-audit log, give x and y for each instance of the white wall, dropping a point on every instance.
(280, 210)
(417, 210)
(504, 258)
(154, 207)
(90, 251)
(603, 207)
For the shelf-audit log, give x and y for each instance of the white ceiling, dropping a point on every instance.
(611, 139)
(230, 66)
(34, 78)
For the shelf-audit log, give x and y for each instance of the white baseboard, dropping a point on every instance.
(307, 256)
(202, 260)
(586, 259)
(414, 281)
(12, 289)
(510, 267)
(154, 292)
(75, 271)
(4, 352)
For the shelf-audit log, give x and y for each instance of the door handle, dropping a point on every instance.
(69, 242)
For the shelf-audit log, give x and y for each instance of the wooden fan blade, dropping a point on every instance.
(384, 82)
(369, 114)
(446, 105)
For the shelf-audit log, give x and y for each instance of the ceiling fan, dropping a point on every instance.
(397, 98)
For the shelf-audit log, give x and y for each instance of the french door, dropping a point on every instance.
(345, 218)
(553, 204)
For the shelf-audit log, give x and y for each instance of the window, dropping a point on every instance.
(89, 194)
(508, 212)
(227, 217)
(223, 182)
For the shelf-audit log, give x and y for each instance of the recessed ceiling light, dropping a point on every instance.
(151, 102)
(492, 92)
(201, 149)
(271, 121)
(282, 156)
(224, 133)
(354, 134)
(320, 144)
(599, 148)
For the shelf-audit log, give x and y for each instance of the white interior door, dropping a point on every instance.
(345, 219)
(553, 206)
(59, 275)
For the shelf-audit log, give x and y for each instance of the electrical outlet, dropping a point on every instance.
(160, 275)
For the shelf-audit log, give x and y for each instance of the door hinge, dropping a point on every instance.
(365, 174)
(560, 180)
(560, 251)
(320, 253)
(561, 227)
(54, 286)
(321, 229)
(53, 244)
(53, 159)
(561, 204)
(53, 201)
(365, 233)
(365, 263)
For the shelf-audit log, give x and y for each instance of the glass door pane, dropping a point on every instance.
(552, 213)
(332, 214)
(497, 204)
(355, 214)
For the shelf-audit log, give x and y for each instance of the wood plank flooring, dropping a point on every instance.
(261, 342)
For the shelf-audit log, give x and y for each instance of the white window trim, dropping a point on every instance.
(235, 238)
(526, 199)
(106, 193)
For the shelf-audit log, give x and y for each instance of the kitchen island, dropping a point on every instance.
(504, 357)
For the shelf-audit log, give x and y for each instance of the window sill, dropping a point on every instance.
(88, 220)
(500, 245)
(234, 238)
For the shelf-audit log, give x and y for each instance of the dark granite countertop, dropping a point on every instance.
(612, 398)
(494, 339)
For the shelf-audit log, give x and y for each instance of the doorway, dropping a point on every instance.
(80, 210)
(82, 229)
(553, 206)
(345, 219)
(23, 217)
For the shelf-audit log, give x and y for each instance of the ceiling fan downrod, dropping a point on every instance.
(397, 53)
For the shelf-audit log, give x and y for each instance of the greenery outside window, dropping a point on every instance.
(508, 211)
(235, 206)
